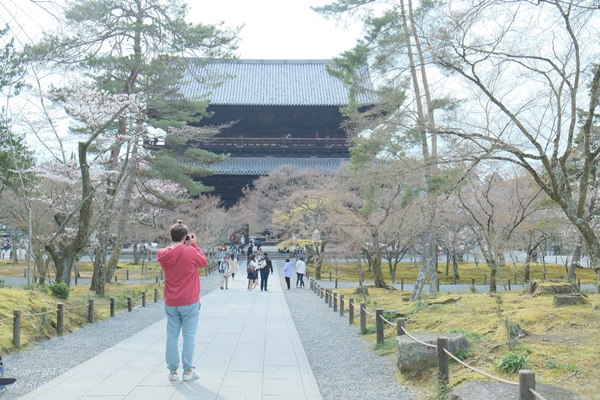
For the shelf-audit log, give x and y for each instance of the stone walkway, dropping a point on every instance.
(247, 347)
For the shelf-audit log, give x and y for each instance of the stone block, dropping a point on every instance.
(414, 358)
(568, 299)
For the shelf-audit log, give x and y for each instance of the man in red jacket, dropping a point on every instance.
(180, 264)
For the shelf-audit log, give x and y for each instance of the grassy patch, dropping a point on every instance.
(558, 341)
(35, 299)
(351, 272)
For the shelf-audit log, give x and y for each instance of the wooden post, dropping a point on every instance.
(336, 283)
(161, 275)
(379, 325)
(363, 318)
(485, 279)
(115, 277)
(526, 381)
(443, 376)
(515, 278)
(129, 305)
(329, 276)
(75, 278)
(438, 285)
(509, 285)
(17, 328)
(157, 279)
(91, 311)
(25, 273)
(112, 306)
(400, 323)
(579, 282)
(473, 281)
(401, 283)
(60, 319)
(342, 305)
(335, 301)
(156, 295)
(326, 297)
(127, 275)
(143, 299)
(351, 311)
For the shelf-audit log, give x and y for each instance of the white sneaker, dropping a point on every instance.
(173, 375)
(190, 377)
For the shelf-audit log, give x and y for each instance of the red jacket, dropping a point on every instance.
(182, 283)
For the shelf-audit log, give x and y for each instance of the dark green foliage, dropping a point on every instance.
(59, 289)
(512, 362)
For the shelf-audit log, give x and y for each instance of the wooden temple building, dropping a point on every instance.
(287, 113)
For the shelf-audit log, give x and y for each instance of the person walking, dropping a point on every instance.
(180, 263)
(264, 272)
(234, 266)
(225, 271)
(287, 272)
(252, 270)
(300, 271)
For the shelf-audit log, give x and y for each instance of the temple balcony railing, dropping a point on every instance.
(246, 142)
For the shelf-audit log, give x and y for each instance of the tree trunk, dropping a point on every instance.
(455, 265)
(99, 277)
(136, 253)
(493, 269)
(575, 261)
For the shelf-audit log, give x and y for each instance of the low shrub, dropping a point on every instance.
(59, 289)
(512, 362)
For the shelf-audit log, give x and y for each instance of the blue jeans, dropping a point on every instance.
(182, 319)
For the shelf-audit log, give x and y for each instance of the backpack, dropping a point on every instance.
(250, 269)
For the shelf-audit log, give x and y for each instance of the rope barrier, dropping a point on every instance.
(37, 314)
(6, 319)
(389, 322)
(481, 372)
(536, 394)
(368, 313)
(417, 340)
(76, 308)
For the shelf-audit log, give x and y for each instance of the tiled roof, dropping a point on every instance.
(264, 165)
(271, 82)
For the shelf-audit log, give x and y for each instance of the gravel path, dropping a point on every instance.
(342, 362)
(345, 368)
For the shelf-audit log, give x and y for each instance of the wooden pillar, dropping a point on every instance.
(143, 299)
(91, 311)
(443, 376)
(379, 325)
(400, 323)
(526, 381)
(363, 318)
(156, 295)
(129, 305)
(17, 328)
(342, 305)
(60, 319)
(112, 306)
(335, 302)
(351, 311)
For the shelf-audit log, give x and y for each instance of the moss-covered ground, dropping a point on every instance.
(351, 272)
(560, 343)
(36, 299)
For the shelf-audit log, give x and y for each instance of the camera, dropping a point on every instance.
(187, 238)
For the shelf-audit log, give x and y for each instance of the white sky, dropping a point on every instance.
(279, 29)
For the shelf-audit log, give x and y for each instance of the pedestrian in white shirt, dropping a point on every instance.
(300, 271)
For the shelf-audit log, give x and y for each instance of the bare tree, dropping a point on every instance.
(535, 81)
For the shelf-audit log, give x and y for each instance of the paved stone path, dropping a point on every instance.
(247, 347)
